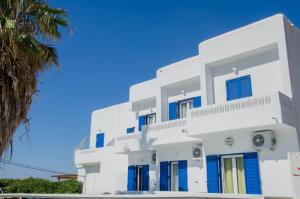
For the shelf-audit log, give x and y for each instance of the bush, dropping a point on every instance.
(38, 185)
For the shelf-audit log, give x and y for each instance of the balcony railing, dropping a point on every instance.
(267, 110)
(274, 108)
(235, 105)
(180, 123)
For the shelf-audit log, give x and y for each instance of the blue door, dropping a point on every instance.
(252, 176)
(100, 140)
(164, 176)
(238, 88)
(130, 179)
(141, 122)
(173, 111)
(145, 181)
(182, 175)
(197, 102)
(212, 164)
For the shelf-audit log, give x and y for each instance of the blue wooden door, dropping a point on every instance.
(182, 175)
(164, 176)
(252, 176)
(145, 181)
(141, 122)
(197, 102)
(212, 163)
(130, 178)
(173, 111)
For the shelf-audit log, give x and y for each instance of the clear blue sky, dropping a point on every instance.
(116, 44)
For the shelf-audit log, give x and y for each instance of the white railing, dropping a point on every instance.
(236, 105)
(165, 125)
(128, 137)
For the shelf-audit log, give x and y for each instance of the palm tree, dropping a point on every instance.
(28, 28)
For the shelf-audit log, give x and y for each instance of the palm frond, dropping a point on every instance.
(27, 27)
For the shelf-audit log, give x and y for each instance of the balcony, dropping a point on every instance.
(132, 142)
(266, 111)
(169, 132)
(90, 156)
(154, 135)
(253, 113)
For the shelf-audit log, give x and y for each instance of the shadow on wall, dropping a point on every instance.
(144, 143)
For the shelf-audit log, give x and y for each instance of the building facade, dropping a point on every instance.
(225, 121)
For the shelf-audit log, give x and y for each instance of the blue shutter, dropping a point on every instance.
(130, 179)
(212, 174)
(232, 89)
(141, 122)
(252, 173)
(239, 88)
(145, 178)
(173, 111)
(197, 102)
(164, 176)
(245, 86)
(130, 130)
(182, 175)
(100, 140)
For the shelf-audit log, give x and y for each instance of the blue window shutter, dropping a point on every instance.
(130, 179)
(141, 122)
(232, 89)
(212, 163)
(173, 111)
(145, 185)
(182, 175)
(197, 102)
(252, 173)
(130, 130)
(245, 86)
(100, 140)
(164, 176)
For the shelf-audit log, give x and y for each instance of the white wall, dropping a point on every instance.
(112, 121)
(264, 69)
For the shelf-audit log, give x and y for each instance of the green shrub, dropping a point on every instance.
(38, 185)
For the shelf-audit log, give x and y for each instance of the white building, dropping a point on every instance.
(224, 121)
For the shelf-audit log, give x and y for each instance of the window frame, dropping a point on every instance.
(234, 172)
(186, 101)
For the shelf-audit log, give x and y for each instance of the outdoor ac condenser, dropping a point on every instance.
(264, 140)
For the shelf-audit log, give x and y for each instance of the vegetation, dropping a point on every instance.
(28, 30)
(38, 185)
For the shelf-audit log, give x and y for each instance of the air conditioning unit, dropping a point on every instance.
(197, 152)
(153, 157)
(264, 140)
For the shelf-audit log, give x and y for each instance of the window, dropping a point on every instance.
(146, 120)
(130, 130)
(100, 140)
(233, 174)
(174, 176)
(184, 106)
(150, 119)
(180, 109)
(238, 88)
(138, 178)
